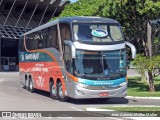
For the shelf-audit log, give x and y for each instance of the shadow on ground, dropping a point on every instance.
(88, 101)
(142, 86)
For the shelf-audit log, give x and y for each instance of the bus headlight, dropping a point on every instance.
(82, 85)
(123, 84)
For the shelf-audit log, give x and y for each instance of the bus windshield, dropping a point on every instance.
(94, 32)
(108, 64)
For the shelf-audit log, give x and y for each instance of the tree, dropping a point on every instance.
(143, 63)
(139, 12)
(140, 63)
(82, 8)
(132, 14)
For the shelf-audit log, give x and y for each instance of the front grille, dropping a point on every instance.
(102, 87)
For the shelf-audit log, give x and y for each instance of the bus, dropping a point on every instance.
(75, 57)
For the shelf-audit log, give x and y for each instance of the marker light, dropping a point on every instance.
(82, 85)
(123, 84)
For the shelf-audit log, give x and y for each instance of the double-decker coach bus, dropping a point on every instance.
(76, 57)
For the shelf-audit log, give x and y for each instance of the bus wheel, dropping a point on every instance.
(60, 95)
(53, 91)
(27, 84)
(31, 88)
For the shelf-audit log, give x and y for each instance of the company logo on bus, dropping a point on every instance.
(22, 56)
(33, 56)
(99, 33)
(103, 83)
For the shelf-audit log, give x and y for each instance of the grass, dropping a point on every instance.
(136, 87)
(134, 109)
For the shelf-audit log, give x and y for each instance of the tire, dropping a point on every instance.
(27, 84)
(31, 88)
(60, 95)
(53, 91)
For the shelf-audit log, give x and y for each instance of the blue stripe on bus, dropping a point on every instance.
(115, 82)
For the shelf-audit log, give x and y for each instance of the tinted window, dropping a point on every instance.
(53, 40)
(65, 32)
(68, 58)
(45, 38)
(97, 32)
(21, 45)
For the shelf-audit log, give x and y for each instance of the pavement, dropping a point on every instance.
(14, 98)
(132, 73)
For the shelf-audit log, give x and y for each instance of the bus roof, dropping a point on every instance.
(87, 19)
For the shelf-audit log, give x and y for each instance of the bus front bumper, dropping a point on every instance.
(82, 93)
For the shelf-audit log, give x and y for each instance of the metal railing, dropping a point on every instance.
(12, 32)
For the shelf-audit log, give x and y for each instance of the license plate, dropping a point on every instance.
(104, 94)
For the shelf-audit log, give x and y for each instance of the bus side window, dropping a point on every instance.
(30, 42)
(52, 40)
(55, 39)
(65, 32)
(48, 38)
(44, 39)
(38, 40)
(21, 44)
(33, 41)
(68, 58)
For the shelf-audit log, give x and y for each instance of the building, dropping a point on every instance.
(19, 16)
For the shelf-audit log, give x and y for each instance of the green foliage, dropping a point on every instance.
(140, 63)
(83, 8)
(152, 63)
(132, 14)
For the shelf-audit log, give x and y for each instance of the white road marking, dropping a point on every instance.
(65, 117)
(95, 109)
(114, 118)
(145, 118)
(1, 80)
(76, 108)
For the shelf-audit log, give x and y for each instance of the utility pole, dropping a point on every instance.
(149, 38)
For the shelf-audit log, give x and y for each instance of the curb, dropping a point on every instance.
(135, 97)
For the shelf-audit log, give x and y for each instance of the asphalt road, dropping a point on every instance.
(13, 97)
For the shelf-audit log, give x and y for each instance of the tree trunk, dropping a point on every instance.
(150, 82)
(143, 76)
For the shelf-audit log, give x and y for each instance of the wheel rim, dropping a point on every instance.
(60, 91)
(53, 90)
(27, 83)
(31, 86)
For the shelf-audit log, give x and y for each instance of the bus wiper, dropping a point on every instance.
(121, 74)
(81, 75)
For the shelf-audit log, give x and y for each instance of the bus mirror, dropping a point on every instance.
(133, 49)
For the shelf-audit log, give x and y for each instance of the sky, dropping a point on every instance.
(73, 0)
